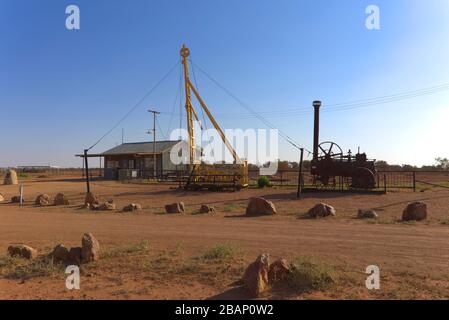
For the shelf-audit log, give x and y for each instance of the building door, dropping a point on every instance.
(111, 169)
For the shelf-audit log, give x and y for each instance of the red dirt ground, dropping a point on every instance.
(413, 258)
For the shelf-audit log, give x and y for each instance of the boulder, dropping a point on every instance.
(107, 206)
(22, 251)
(367, 214)
(2, 198)
(132, 207)
(415, 211)
(61, 200)
(91, 199)
(255, 278)
(207, 209)
(321, 210)
(11, 178)
(16, 199)
(278, 270)
(60, 254)
(90, 250)
(260, 207)
(175, 208)
(74, 257)
(42, 200)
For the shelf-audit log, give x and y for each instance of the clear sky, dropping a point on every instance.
(61, 90)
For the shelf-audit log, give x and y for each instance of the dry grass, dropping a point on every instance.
(310, 274)
(221, 266)
(117, 251)
(18, 268)
(220, 251)
(216, 265)
(230, 207)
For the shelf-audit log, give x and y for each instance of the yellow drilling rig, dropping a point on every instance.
(209, 176)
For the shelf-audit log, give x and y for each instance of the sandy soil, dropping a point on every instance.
(414, 258)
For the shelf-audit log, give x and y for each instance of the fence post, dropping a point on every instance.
(299, 192)
(414, 181)
(86, 168)
(21, 194)
(385, 183)
(82, 176)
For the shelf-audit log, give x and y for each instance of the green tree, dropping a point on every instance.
(442, 163)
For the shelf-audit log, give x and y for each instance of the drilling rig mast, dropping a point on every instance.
(202, 175)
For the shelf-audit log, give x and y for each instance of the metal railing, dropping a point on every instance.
(385, 180)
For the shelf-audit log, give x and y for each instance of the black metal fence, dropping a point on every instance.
(183, 179)
(396, 180)
(385, 180)
(137, 174)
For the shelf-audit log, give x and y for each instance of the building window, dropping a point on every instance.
(149, 162)
(110, 164)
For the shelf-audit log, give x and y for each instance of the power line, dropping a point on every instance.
(202, 111)
(244, 105)
(335, 107)
(350, 105)
(136, 105)
(404, 94)
(178, 95)
(197, 88)
(160, 129)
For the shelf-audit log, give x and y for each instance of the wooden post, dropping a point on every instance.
(86, 167)
(99, 173)
(82, 162)
(385, 183)
(414, 181)
(299, 192)
(21, 194)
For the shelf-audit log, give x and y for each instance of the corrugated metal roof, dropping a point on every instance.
(140, 147)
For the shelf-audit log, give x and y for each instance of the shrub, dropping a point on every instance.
(220, 251)
(308, 274)
(263, 182)
(24, 269)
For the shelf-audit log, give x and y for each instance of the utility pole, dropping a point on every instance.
(155, 113)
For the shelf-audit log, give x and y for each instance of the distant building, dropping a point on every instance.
(135, 160)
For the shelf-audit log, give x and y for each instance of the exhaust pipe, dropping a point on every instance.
(316, 129)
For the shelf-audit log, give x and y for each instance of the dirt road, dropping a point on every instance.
(421, 248)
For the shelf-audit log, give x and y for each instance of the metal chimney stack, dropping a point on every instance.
(316, 129)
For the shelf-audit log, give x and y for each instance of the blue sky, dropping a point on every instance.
(61, 90)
